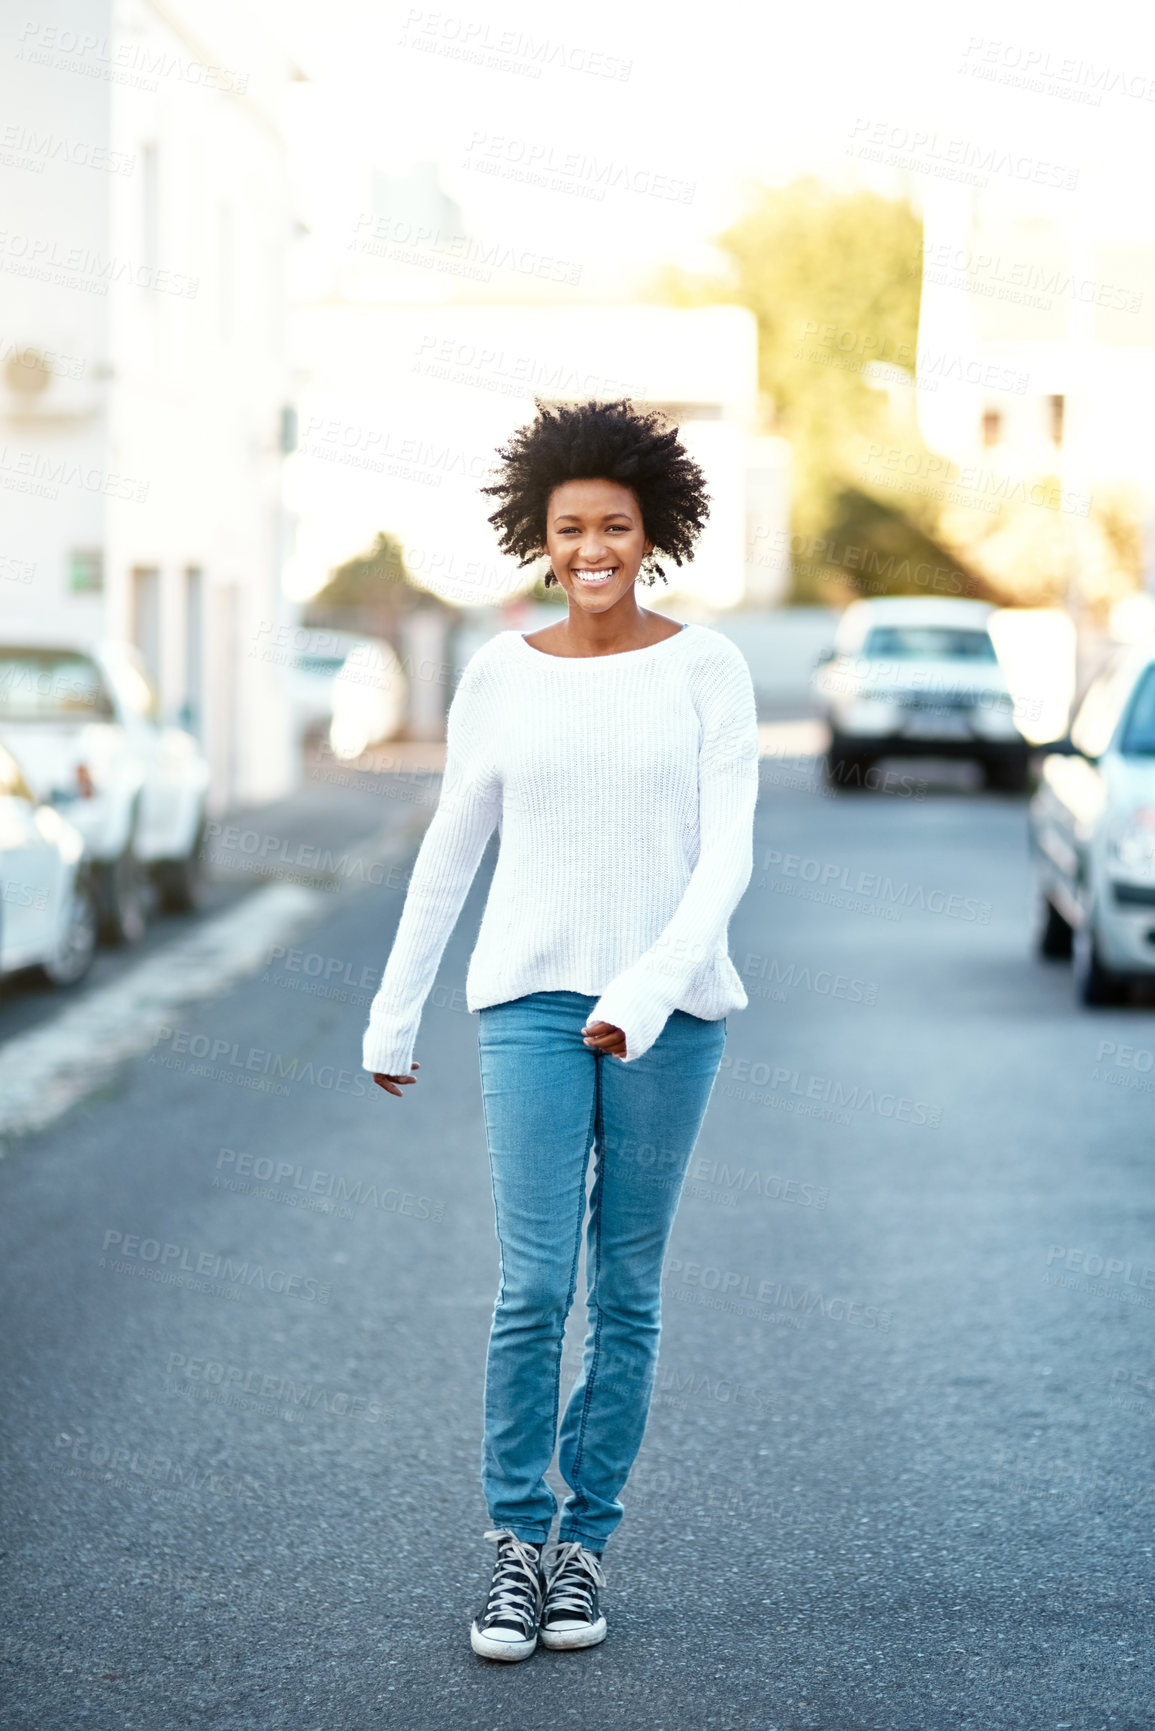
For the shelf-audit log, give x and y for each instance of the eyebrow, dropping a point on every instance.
(573, 517)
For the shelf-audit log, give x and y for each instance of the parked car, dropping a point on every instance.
(314, 657)
(918, 676)
(84, 726)
(369, 696)
(47, 906)
(1092, 825)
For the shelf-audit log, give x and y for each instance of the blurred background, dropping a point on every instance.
(276, 284)
(276, 281)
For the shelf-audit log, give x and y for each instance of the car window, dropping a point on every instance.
(329, 665)
(51, 685)
(928, 643)
(1139, 733)
(1098, 714)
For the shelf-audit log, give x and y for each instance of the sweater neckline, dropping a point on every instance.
(618, 655)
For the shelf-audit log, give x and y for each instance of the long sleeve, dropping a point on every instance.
(468, 810)
(641, 997)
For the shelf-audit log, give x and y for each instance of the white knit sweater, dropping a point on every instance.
(623, 790)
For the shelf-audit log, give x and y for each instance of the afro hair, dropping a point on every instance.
(599, 441)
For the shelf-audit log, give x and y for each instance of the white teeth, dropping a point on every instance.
(594, 576)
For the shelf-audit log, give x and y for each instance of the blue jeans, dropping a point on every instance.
(548, 1100)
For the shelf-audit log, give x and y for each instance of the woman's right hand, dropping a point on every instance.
(394, 1084)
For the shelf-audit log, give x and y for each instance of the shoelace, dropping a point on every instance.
(513, 1595)
(573, 1576)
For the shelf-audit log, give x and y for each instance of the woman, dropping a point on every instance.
(617, 754)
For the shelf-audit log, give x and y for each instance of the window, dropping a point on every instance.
(86, 570)
(1139, 733)
(1055, 407)
(51, 685)
(927, 643)
(146, 616)
(1099, 712)
(194, 626)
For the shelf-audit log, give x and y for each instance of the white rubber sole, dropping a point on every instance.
(491, 1647)
(567, 1640)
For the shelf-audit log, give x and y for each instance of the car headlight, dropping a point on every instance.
(1131, 842)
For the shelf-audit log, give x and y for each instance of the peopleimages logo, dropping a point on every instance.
(828, 878)
(136, 1254)
(222, 1060)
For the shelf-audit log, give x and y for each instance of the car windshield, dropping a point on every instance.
(330, 665)
(927, 643)
(51, 685)
(1139, 733)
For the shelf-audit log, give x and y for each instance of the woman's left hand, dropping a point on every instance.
(604, 1037)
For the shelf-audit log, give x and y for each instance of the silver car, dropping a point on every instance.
(85, 727)
(918, 676)
(1092, 823)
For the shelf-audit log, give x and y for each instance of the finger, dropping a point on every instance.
(392, 1084)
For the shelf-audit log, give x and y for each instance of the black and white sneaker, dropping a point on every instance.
(571, 1617)
(506, 1627)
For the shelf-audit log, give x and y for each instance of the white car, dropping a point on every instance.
(1092, 823)
(83, 725)
(368, 699)
(918, 676)
(314, 657)
(47, 908)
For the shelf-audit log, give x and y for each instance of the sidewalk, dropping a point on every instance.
(342, 829)
(339, 825)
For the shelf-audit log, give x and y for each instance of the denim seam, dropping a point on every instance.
(493, 1190)
(577, 1247)
(596, 1224)
(485, 1462)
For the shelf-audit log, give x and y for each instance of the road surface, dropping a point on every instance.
(899, 1471)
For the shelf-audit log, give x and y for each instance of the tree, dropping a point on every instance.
(370, 593)
(834, 281)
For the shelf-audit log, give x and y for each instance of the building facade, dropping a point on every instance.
(145, 388)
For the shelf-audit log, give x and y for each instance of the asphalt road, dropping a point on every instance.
(899, 1470)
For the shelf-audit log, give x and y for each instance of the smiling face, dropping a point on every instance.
(596, 542)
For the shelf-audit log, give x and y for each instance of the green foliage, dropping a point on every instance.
(834, 281)
(872, 548)
(360, 581)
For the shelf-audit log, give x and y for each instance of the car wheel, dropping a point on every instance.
(124, 898)
(1095, 985)
(1053, 937)
(182, 882)
(847, 770)
(77, 945)
(1007, 774)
